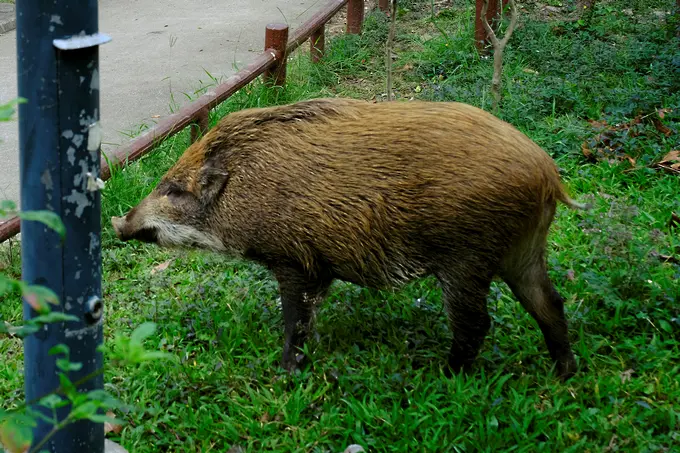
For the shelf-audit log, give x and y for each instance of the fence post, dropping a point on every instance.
(481, 40)
(59, 143)
(317, 43)
(276, 39)
(384, 5)
(201, 125)
(355, 16)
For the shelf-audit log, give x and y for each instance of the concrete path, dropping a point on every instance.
(159, 51)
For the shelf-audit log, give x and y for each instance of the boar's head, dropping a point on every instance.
(179, 212)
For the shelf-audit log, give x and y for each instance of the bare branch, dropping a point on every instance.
(513, 24)
(487, 27)
(388, 56)
(498, 47)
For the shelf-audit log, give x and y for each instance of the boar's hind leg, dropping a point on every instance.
(526, 275)
(465, 300)
(299, 293)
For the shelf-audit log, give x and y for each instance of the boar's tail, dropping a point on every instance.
(566, 199)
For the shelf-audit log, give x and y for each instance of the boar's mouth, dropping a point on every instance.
(145, 234)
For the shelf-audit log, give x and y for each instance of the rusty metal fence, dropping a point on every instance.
(271, 64)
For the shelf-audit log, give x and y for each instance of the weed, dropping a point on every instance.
(376, 377)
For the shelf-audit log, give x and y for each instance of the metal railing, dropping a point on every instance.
(271, 64)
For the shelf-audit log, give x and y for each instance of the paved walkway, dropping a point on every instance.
(159, 51)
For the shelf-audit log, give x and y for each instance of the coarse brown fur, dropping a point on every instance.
(374, 194)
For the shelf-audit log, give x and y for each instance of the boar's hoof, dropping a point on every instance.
(293, 362)
(458, 365)
(566, 368)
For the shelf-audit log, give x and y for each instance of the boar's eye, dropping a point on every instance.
(173, 191)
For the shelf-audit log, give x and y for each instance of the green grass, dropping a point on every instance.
(377, 376)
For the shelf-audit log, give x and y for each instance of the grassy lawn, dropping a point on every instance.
(602, 99)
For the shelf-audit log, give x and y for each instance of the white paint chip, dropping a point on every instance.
(71, 155)
(94, 137)
(94, 184)
(94, 83)
(80, 200)
(46, 179)
(78, 140)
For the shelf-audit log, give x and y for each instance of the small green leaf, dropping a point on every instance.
(53, 401)
(15, 436)
(54, 317)
(493, 422)
(85, 410)
(66, 365)
(98, 418)
(45, 293)
(142, 332)
(38, 297)
(7, 285)
(7, 205)
(104, 399)
(7, 110)
(23, 331)
(48, 218)
(665, 325)
(59, 349)
(67, 387)
(155, 355)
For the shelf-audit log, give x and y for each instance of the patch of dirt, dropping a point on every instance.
(549, 13)
(338, 24)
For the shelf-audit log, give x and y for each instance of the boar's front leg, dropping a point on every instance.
(299, 293)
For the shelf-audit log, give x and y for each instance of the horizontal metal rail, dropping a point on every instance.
(176, 122)
(318, 20)
(196, 111)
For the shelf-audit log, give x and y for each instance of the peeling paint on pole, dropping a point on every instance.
(59, 140)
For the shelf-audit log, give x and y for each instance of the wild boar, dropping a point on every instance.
(375, 194)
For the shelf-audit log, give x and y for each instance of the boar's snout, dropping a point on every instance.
(125, 232)
(118, 226)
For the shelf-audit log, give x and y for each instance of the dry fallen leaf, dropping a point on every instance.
(662, 112)
(586, 151)
(598, 124)
(661, 127)
(161, 267)
(626, 375)
(673, 156)
(570, 275)
(670, 162)
(110, 427)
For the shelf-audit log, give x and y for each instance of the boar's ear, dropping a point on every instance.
(212, 180)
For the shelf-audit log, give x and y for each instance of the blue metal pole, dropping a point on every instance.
(59, 140)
